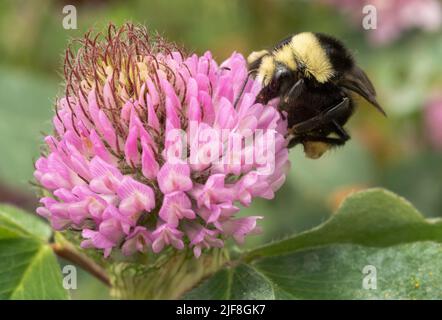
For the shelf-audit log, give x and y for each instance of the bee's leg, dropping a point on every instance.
(293, 142)
(291, 95)
(243, 87)
(241, 91)
(324, 117)
(328, 140)
(294, 92)
(282, 110)
(282, 114)
(341, 132)
(342, 138)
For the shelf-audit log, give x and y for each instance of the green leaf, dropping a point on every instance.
(241, 282)
(28, 266)
(29, 270)
(373, 218)
(374, 228)
(23, 223)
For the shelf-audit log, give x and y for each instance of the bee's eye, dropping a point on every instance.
(279, 78)
(281, 75)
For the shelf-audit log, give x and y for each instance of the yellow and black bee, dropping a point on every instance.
(314, 76)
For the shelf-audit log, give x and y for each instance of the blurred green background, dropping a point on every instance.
(397, 153)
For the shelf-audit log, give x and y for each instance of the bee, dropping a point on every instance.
(316, 78)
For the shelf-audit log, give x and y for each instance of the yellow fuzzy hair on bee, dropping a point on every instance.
(309, 52)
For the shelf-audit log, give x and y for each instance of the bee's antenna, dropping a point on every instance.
(243, 87)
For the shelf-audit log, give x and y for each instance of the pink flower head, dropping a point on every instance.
(239, 228)
(167, 235)
(176, 206)
(174, 177)
(153, 148)
(201, 237)
(139, 240)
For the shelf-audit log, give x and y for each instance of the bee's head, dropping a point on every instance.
(275, 76)
(277, 83)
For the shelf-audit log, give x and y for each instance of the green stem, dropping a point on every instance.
(68, 252)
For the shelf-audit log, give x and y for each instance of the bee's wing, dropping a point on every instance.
(356, 80)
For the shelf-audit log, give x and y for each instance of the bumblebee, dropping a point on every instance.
(315, 77)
